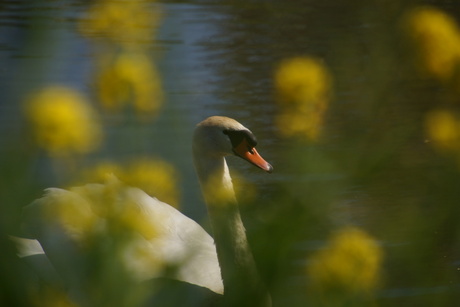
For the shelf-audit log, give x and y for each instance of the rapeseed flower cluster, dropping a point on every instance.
(217, 194)
(303, 87)
(112, 201)
(154, 176)
(129, 79)
(436, 38)
(109, 211)
(63, 122)
(125, 23)
(443, 129)
(73, 211)
(347, 268)
(125, 73)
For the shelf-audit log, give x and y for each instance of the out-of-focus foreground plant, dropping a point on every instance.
(347, 270)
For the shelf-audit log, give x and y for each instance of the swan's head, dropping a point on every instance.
(223, 136)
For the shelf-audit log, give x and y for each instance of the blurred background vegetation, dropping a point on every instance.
(356, 105)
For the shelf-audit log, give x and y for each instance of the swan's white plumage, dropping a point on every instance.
(180, 241)
(176, 241)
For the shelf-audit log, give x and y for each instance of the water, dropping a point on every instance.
(374, 166)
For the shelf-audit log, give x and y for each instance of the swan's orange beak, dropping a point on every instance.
(251, 155)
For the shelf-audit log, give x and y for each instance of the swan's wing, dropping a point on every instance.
(161, 236)
(180, 242)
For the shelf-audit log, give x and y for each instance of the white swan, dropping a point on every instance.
(61, 219)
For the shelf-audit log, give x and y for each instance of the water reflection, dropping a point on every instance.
(374, 166)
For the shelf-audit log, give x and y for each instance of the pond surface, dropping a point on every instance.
(374, 166)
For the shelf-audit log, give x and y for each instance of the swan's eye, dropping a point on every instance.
(237, 136)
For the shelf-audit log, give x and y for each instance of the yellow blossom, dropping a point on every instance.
(218, 193)
(134, 218)
(62, 122)
(154, 176)
(437, 39)
(103, 196)
(112, 204)
(348, 266)
(303, 87)
(302, 80)
(129, 77)
(71, 211)
(118, 205)
(100, 173)
(127, 23)
(292, 122)
(125, 74)
(143, 260)
(111, 211)
(443, 129)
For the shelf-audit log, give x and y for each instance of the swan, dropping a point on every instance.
(224, 265)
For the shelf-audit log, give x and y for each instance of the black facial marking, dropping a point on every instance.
(237, 136)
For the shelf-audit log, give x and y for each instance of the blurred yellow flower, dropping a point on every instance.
(349, 266)
(129, 77)
(154, 176)
(110, 209)
(303, 87)
(72, 211)
(293, 122)
(62, 122)
(143, 260)
(125, 74)
(99, 173)
(133, 218)
(217, 194)
(111, 201)
(437, 39)
(103, 196)
(129, 23)
(301, 80)
(443, 130)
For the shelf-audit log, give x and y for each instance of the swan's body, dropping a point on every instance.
(159, 231)
(175, 239)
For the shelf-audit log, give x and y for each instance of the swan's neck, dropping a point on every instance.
(235, 259)
(216, 183)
